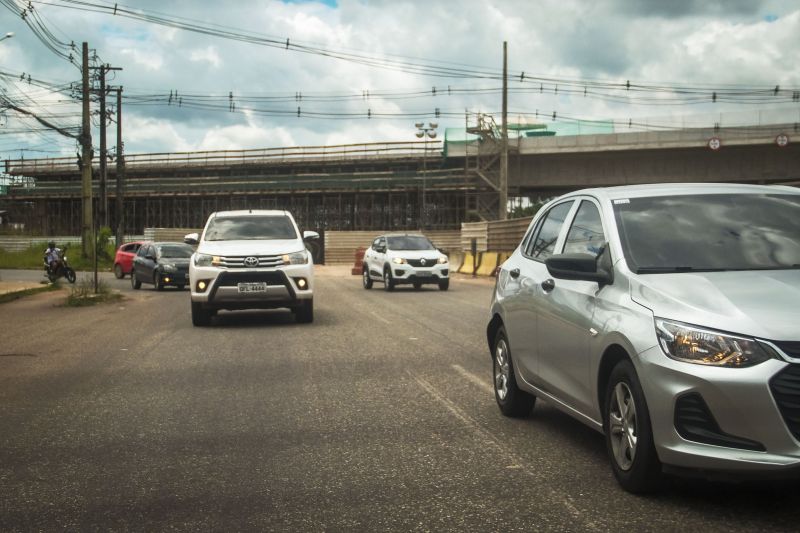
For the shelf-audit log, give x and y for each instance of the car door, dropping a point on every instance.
(378, 257)
(566, 315)
(523, 293)
(146, 263)
(370, 258)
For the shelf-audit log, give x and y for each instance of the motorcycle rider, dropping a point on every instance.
(52, 257)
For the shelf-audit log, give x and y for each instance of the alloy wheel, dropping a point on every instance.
(501, 369)
(622, 426)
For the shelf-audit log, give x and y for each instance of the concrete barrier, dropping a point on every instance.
(466, 266)
(456, 260)
(488, 264)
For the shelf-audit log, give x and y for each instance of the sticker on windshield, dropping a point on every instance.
(622, 201)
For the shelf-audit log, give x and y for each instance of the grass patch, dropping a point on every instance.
(82, 293)
(33, 258)
(16, 295)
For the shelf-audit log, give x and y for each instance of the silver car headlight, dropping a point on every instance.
(399, 261)
(296, 258)
(442, 259)
(167, 267)
(692, 344)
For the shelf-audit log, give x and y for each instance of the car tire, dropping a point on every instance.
(305, 313)
(200, 317)
(135, 283)
(157, 283)
(366, 279)
(388, 282)
(444, 285)
(118, 273)
(629, 433)
(512, 401)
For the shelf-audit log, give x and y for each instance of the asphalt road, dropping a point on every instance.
(378, 416)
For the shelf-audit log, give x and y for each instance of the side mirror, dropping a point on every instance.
(150, 257)
(380, 249)
(310, 235)
(192, 238)
(581, 267)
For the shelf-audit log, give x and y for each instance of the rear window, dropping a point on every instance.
(254, 227)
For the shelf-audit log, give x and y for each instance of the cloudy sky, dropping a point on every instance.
(704, 46)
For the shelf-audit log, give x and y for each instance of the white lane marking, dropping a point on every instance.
(379, 317)
(514, 462)
(473, 378)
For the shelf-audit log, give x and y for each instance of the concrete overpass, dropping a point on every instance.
(400, 185)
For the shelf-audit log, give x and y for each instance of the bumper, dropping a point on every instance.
(174, 279)
(410, 274)
(743, 410)
(284, 287)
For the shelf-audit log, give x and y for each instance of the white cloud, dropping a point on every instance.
(208, 54)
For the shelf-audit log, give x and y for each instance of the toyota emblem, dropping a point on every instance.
(422, 262)
(251, 261)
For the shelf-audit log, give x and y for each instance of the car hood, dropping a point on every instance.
(415, 254)
(761, 304)
(177, 261)
(251, 247)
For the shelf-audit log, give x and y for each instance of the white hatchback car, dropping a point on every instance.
(405, 258)
(253, 259)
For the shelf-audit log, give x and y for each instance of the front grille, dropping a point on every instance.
(418, 262)
(238, 261)
(790, 348)
(785, 387)
(694, 422)
(232, 279)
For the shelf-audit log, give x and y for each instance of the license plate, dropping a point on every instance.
(253, 287)
(424, 274)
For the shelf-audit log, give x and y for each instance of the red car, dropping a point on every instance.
(123, 261)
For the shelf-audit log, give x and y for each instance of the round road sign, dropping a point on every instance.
(782, 140)
(714, 143)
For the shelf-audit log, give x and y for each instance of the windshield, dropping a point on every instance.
(177, 251)
(255, 227)
(409, 242)
(710, 232)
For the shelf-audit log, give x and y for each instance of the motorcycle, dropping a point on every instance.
(62, 269)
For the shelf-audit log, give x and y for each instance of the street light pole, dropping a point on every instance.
(426, 133)
(8, 35)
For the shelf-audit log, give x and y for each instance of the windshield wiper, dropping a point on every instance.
(672, 269)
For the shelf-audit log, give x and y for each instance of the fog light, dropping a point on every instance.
(201, 285)
(302, 283)
(166, 280)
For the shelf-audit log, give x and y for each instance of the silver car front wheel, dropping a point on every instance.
(629, 433)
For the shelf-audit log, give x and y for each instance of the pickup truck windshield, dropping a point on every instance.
(710, 232)
(255, 227)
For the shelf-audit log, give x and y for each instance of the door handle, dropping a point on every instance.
(548, 285)
(514, 273)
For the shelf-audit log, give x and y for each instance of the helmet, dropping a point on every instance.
(51, 244)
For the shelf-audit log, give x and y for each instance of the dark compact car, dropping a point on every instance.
(123, 261)
(162, 264)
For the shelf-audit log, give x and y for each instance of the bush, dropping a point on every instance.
(82, 293)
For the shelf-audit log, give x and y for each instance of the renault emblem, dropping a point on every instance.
(422, 262)
(251, 261)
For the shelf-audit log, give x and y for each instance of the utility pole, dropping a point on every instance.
(504, 141)
(120, 173)
(103, 189)
(103, 208)
(87, 247)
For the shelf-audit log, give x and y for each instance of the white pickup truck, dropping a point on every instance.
(251, 259)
